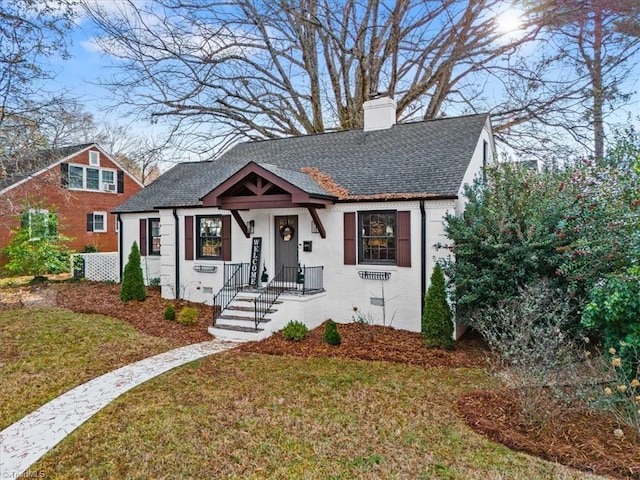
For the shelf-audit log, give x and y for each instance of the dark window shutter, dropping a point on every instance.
(404, 239)
(143, 237)
(89, 222)
(350, 250)
(188, 237)
(120, 181)
(226, 238)
(64, 174)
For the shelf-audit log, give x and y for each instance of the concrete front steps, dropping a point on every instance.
(237, 321)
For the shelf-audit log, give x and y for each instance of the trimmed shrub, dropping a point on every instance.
(295, 331)
(437, 324)
(132, 278)
(170, 312)
(188, 316)
(331, 335)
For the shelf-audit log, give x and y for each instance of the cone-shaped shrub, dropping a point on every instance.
(331, 334)
(132, 279)
(437, 324)
(170, 312)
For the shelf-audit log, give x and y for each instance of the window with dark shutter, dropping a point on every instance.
(350, 238)
(188, 237)
(143, 237)
(226, 238)
(120, 181)
(64, 174)
(404, 239)
(89, 222)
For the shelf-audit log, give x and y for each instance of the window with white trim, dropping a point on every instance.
(83, 177)
(97, 222)
(94, 158)
(154, 236)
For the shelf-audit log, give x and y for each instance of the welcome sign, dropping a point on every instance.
(256, 253)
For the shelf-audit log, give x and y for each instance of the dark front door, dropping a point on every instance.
(287, 245)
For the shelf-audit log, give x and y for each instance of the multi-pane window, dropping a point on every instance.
(377, 237)
(94, 158)
(88, 178)
(209, 236)
(154, 236)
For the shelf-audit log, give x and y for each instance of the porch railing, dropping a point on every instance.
(303, 280)
(236, 276)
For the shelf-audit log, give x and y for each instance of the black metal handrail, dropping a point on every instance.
(269, 295)
(236, 277)
(299, 279)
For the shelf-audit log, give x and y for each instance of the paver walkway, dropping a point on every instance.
(24, 442)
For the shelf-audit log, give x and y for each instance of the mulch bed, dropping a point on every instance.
(146, 317)
(580, 439)
(367, 342)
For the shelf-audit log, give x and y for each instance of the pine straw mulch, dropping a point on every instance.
(374, 342)
(582, 440)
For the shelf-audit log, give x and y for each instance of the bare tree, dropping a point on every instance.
(254, 69)
(30, 32)
(592, 52)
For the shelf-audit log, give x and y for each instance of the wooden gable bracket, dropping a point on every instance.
(241, 224)
(316, 219)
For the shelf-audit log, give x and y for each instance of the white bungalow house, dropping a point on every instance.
(308, 228)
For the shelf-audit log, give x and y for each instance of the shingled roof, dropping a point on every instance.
(411, 160)
(23, 166)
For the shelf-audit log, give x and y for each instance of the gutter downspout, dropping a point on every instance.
(423, 249)
(177, 253)
(120, 244)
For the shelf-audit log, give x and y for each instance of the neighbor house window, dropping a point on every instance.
(97, 222)
(40, 224)
(154, 236)
(377, 237)
(82, 177)
(94, 158)
(209, 236)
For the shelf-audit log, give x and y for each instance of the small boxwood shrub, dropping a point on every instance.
(331, 334)
(188, 316)
(170, 312)
(295, 331)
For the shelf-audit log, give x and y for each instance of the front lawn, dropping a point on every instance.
(46, 352)
(247, 415)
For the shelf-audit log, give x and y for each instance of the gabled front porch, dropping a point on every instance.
(251, 307)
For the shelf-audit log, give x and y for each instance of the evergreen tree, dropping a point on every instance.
(133, 281)
(437, 323)
(331, 334)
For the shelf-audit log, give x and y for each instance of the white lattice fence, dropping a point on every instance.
(100, 267)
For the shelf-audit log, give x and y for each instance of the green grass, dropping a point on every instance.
(46, 352)
(256, 416)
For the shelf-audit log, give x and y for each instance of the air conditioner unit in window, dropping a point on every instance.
(108, 187)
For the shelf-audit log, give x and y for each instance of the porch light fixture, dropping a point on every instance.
(251, 226)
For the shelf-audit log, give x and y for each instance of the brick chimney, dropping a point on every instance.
(379, 113)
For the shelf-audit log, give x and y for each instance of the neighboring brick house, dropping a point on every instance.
(82, 184)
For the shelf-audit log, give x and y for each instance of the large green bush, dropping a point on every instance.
(437, 322)
(36, 247)
(507, 236)
(133, 279)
